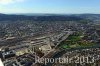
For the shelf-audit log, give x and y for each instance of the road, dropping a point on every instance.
(64, 37)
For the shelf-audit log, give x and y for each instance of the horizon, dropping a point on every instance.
(48, 13)
(50, 6)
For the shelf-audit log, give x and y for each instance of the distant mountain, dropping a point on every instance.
(35, 14)
(94, 17)
(40, 14)
(43, 17)
(49, 17)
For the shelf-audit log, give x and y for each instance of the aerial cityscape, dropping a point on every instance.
(49, 33)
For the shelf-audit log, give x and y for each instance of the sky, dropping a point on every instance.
(50, 6)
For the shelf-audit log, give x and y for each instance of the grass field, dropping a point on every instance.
(74, 41)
